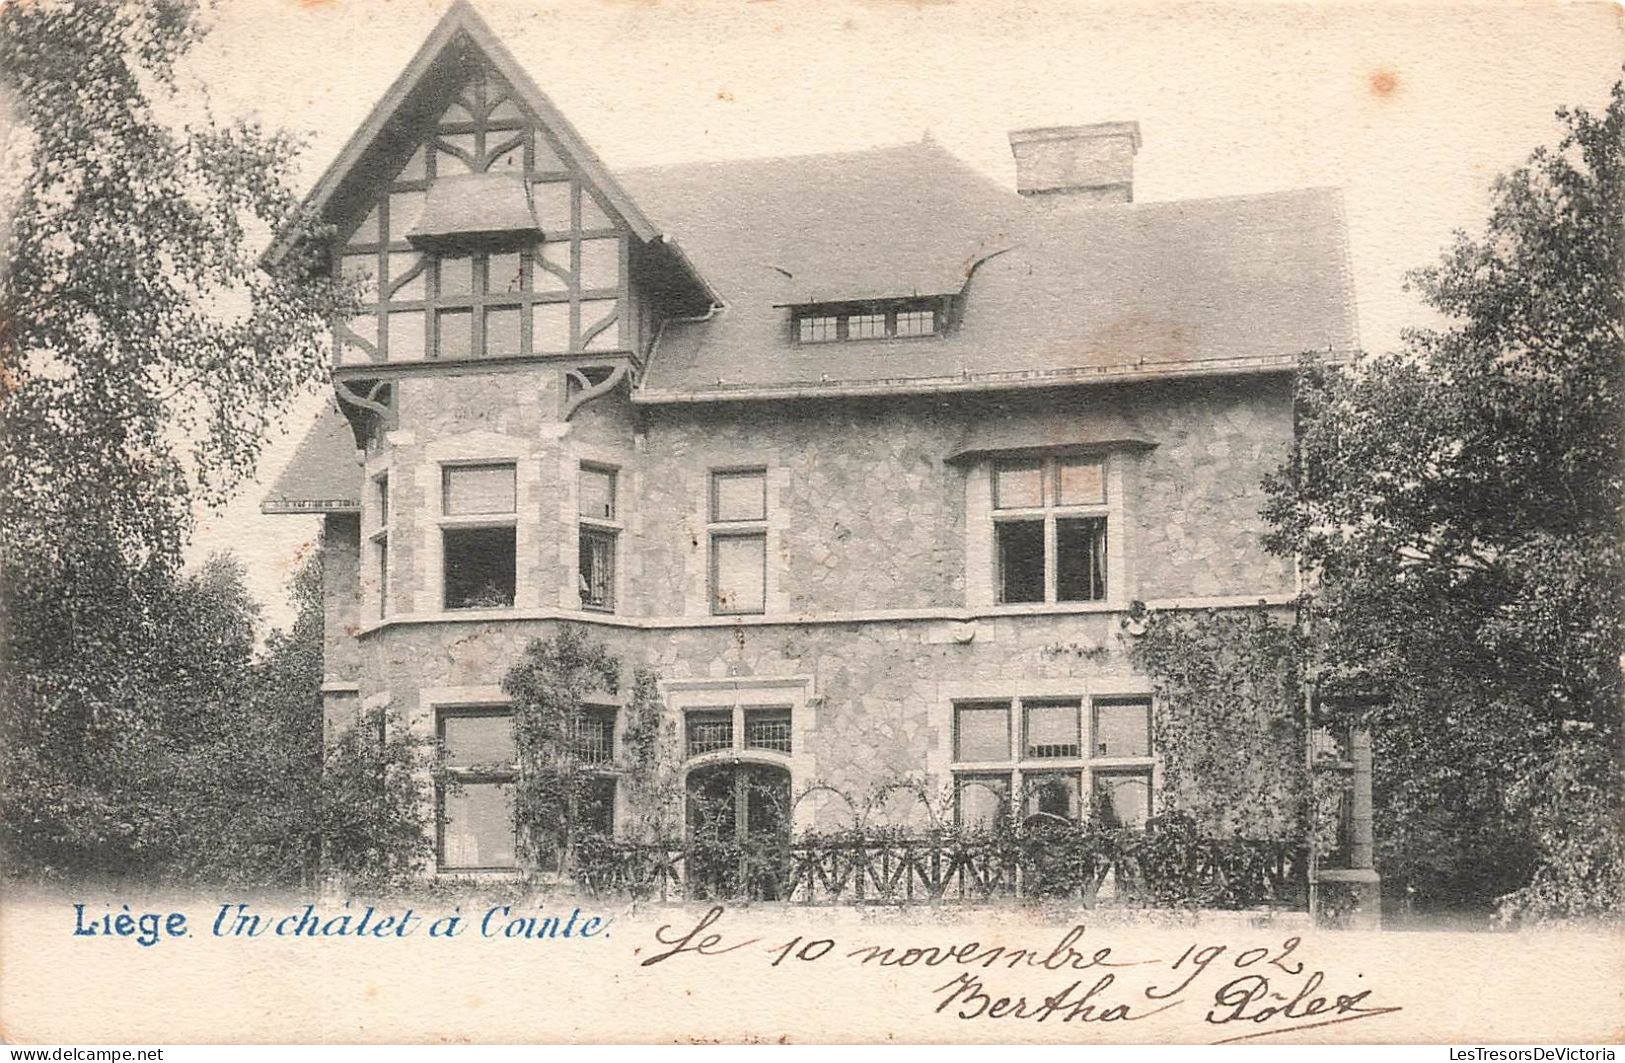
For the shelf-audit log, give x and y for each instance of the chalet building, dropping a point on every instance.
(872, 460)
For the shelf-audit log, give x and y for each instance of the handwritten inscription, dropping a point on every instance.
(1243, 994)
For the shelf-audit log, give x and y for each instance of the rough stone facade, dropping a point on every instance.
(878, 589)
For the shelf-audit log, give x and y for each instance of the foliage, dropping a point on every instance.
(1229, 719)
(144, 352)
(560, 768)
(227, 781)
(368, 821)
(1460, 503)
(1169, 863)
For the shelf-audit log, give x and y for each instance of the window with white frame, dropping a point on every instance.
(478, 535)
(474, 797)
(380, 542)
(1030, 756)
(598, 531)
(1049, 529)
(738, 541)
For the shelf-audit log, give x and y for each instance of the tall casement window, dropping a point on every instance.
(591, 795)
(486, 243)
(478, 535)
(474, 800)
(598, 531)
(380, 542)
(738, 541)
(1049, 530)
(1024, 757)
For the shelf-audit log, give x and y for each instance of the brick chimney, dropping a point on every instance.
(1077, 165)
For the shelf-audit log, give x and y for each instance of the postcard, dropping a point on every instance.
(785, 522)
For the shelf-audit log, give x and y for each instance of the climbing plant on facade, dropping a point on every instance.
(1229, 720)
(567, 692)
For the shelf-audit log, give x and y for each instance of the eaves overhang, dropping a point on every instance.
(990, 382)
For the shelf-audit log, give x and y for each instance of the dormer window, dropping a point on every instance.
(889, 319)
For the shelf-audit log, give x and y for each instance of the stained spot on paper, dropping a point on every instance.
(1384, 83)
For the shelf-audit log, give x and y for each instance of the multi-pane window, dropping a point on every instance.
(380, 542)
(478, 535)
(597, 533)
(595, 746)
(557, 291)
(759, 727)
(595, 735)
(876, 320)
(738, 541)
(1029, 756)
(768, 728)
(474, 798)
(708, 730)
(1049, 530)
(818, 328)
(589, 798)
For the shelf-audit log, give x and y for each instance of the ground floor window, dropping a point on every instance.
(1017, 758)
(474, 800)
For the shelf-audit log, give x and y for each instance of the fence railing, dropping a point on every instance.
(1124, 868)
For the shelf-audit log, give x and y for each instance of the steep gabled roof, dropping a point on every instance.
(462, 23)
(324, 475)
(1049, 294)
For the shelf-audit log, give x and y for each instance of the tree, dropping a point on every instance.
(1460, 503)
(144, 353)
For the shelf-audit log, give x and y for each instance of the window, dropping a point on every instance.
(583, 802)
(1122, 733)
(1032, 756)
(598, 532)
(595, 746)
(758, 727)
(739, 541)
(478, 535)
(873, 320)
(709, 730)
(768, 729)
(475, 800)
(595, 735)
(1049, 530)
(819, 329)
(380, 542)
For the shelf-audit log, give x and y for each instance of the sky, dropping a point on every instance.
(1410, 109)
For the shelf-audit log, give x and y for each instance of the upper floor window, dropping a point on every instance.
(1049, 530)
(876, 320)
(478, 535)
(738, 541)
(598, 530)
(380, 542)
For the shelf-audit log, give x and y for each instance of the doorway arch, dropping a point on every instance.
(738, 819)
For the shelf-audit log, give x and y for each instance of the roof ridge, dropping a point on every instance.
(1234, 197)
(923, 146)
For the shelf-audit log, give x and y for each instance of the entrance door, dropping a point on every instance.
(739, 829)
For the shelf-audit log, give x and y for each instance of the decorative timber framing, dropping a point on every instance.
(583, 384)
(369, 405)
